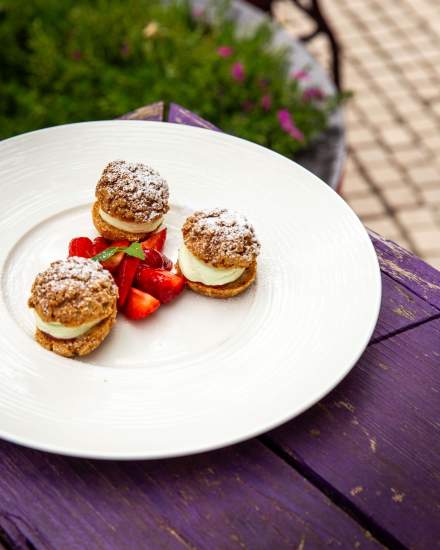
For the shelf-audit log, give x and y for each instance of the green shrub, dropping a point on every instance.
(67, 61)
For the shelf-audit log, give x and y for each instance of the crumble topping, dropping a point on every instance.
(132, 191)
(74, 291)
(221, 237)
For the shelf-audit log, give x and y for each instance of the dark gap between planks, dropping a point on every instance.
(338, 499)
(7, 543)
(403, 329)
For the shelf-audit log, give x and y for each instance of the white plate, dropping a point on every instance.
(200, 373)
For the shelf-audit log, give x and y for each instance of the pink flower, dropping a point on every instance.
(238, 72)
(225, 51)
(198, 12)
(313, 93)
(266, 102)
(287, 124)
(300, 75)
(77, 55)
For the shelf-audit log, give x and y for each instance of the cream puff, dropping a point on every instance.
(131, 201)
(74, 303)
(218, 256)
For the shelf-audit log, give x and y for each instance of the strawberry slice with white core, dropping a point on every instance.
(161, 284)
(140, 304)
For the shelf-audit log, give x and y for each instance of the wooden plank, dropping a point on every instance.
(376, 438)
(239, 497)
(411, 271)
(13, 531)
(400, 309)
(180, 115)
(153, 112)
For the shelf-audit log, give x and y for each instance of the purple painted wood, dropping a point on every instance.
(409, 270)
(180, 115)
(147, 112)
(372, 444)
(240, 497)
(376, 438)
(400, 309)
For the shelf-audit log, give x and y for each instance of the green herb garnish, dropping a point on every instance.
(135, 250)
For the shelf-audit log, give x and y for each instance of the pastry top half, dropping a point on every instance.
(132, 192)
(222, 238)
(73, 292)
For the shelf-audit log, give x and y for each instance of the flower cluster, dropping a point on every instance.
(284, 117)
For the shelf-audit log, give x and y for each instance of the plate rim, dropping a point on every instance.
(84, 453)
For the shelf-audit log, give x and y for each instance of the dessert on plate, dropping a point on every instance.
(131, 201)
(218, 256)
(74, 303)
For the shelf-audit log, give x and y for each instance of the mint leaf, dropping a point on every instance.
(107, 253)
(135, 250)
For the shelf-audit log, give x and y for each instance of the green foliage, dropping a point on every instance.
(71, 60)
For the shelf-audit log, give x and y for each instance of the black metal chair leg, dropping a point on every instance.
(313, 9)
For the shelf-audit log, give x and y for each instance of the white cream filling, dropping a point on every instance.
(200, 272)
(58, 330)
(131, 227)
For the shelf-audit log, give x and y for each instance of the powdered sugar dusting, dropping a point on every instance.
(75, 271)
(73, 290)
(132, 191)
(226, 224)
(221, 237)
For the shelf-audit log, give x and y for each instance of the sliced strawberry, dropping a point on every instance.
(81, 246)
(156, 240)
(113, 262)
(99, 245)
(140, 304)
(156, 260)
(125, 277)
(161, 284)
(153, 258)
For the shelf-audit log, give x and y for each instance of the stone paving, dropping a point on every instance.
(391, 61)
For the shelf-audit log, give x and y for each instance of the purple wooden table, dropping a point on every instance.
(361, 469)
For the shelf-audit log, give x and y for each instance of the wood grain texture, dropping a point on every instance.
(409, 270)
(180, 115)
(239, 497)
(15, 533)
(376, 438)
(400, 309)
(154, 111)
